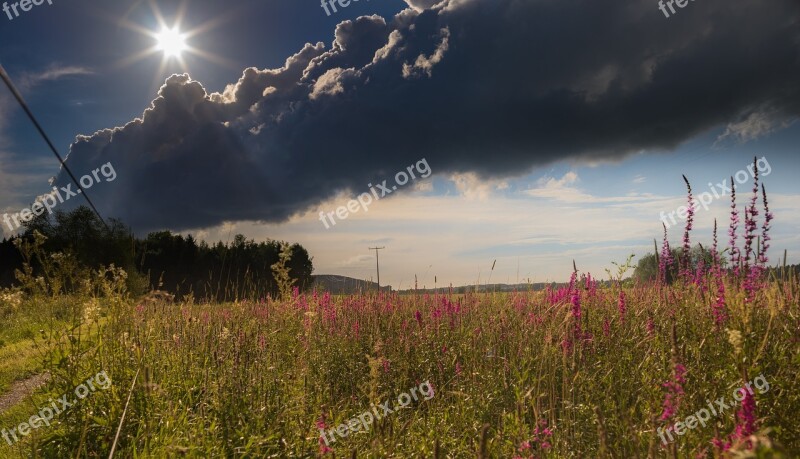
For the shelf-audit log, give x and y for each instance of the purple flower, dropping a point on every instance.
(732, 231)
(674, 393)
(686, 255)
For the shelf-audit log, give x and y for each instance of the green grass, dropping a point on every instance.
(252, 380)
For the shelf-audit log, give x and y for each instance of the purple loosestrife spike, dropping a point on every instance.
(576, 309)
(685, 256)
(765, 238)
(750, 223)
(732, 230)
(751, 273)
(674, 395)
(714, 250)
(718, 308)
(746, 416)
(665, 260)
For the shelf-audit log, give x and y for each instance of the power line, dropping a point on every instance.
(18, 96)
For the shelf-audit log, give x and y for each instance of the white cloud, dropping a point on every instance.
(470, 186)
(561, 190)
(54, 72)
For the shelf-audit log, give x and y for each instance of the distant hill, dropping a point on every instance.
(342, 285)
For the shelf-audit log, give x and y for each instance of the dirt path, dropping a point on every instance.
(21, 389)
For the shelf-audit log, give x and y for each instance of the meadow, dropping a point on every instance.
(700, 362)
(582, 371)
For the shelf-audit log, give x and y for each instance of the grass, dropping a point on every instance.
(254, 379)
(588, 370)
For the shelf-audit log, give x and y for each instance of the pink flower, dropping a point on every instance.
(746, 416)
(674, 393)
(721, 445)
(576, 307)
(621, 306)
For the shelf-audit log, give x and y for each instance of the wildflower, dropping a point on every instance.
(685, 260)
(674, 393)
(720, 444)
(91, 310)
(732, 231)
(750, 225)
(765, 238)
(665, 261)
(14, 299)
(735, 339)
(576, 307)
(621, 306)
(718, 308)
(323, 447)
(746, 416)
(458, 369)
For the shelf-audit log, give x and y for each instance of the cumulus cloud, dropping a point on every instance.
(491, 88)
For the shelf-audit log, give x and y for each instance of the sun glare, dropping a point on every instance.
(171, 42)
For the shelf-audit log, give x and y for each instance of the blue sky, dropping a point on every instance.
(546, 143)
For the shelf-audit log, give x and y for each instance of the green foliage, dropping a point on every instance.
(162, 261)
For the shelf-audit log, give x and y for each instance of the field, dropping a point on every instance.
(587, 370)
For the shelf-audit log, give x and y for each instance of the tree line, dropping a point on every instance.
(241, 269)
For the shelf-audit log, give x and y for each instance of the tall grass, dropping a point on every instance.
(254, 379)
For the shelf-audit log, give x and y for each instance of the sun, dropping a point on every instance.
(171, 42)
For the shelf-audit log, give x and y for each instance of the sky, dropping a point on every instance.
(461, 134)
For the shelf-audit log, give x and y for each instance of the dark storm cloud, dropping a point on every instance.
(495, 87)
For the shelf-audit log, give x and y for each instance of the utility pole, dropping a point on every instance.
(377, 264)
